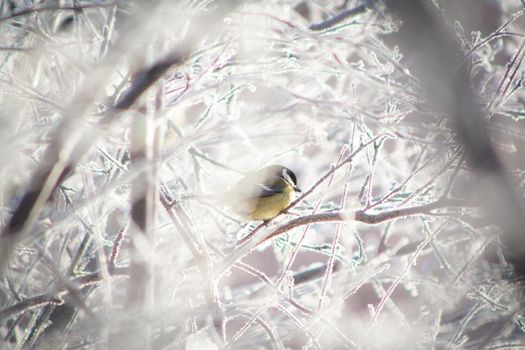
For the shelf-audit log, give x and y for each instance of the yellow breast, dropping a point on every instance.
(268, 207)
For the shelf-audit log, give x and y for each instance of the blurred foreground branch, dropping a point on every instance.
(450, 90)
(70, 144)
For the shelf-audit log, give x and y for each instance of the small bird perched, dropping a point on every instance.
(264, 193)
(261, 194)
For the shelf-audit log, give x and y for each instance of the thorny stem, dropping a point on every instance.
(514, 64)
(116, 247)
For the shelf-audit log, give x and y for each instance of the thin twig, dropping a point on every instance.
(116, 247)
(56, 296)
(341, 16)
(396, 282)
(335, 242)
(31, 10)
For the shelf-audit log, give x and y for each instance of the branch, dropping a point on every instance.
(341, 16)
(68, 146)
(31, 10)
(367, 218)
(56, 296)
(449, 90)
(359, 216)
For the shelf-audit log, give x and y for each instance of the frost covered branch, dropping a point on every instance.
(404, 131)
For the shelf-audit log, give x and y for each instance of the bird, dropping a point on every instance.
(261, 194)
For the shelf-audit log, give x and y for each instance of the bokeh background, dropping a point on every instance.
(117, 116)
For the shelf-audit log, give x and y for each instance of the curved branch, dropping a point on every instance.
(366, 217)
(360, 215)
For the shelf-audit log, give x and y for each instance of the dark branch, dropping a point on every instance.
(332, 21)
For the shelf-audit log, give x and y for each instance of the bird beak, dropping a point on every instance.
(297, 189)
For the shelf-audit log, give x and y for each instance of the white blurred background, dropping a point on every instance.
(403, 259)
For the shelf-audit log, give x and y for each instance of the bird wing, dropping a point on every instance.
(254, 189)
(265, 191)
